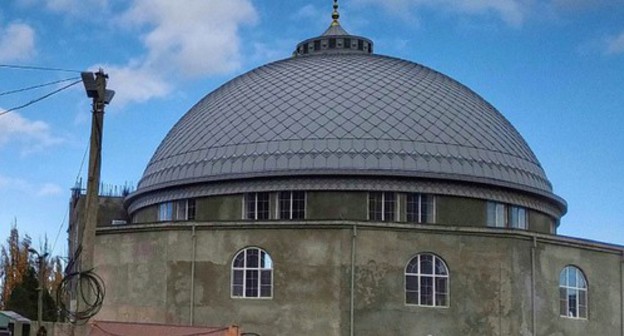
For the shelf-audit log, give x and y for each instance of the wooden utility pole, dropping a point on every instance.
(96, 89)
(95, 163)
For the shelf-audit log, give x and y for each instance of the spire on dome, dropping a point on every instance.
(335, 14)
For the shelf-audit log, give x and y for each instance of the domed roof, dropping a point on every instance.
(344, 113)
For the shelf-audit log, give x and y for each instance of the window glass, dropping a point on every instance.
(257, 205)
(165, 211)
(347, 43)
(252, 274)
(572, 293)
(190, 214)
(292, 205)
(496, 216)
(381, 206)
(425, 286)
(517, 217)
(419, 208)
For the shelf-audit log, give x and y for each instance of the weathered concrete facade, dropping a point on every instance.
(491, 288)
(344, 167)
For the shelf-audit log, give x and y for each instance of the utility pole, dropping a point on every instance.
(41, 261)
(95, 86)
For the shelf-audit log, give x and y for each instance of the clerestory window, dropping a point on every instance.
(420, 208)
(427, 281)
(292, 204)
(257, 205)
(382, 206)
(176, 210)
(252, 274)
(503, 215)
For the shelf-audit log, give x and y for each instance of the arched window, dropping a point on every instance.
(252, 274)
(572, 293)
(427, 281)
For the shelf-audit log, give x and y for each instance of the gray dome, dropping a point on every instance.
(345, 114)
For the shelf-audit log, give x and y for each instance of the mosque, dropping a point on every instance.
(342, 192)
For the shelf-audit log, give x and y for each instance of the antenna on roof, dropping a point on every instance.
(335, 14)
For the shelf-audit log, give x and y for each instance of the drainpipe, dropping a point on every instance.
(533, 302)
(192, 304)
(352, 303)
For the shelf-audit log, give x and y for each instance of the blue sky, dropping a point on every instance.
(554, 68)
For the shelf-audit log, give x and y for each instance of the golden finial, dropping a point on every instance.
(335, 14)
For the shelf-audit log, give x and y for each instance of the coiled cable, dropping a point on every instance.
(88, 288)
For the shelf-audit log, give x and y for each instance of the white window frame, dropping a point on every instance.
(255, 200)
(418, 275)
(165, 211)
(420, 219)
(521, 217)
(383, 206)
(175, 210)
(580, 290)
(501, 215)
(244, 270)
(496, 215)
(290, 204)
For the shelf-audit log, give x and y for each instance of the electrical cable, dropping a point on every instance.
(32, 67)
(40, 98)
(87, 285)
(84, 156)
(58, 233)
(37, 86)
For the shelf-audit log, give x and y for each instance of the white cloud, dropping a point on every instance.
(615, 44)
(73, 7)
(25, 187)
(200, 38)
(17, 42)
(13, 183)
(32, 135)
(135, 83)
(512, 12)
(49, 189)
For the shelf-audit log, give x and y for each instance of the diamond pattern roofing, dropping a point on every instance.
(344, 114)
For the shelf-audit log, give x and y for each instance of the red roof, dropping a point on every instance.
(108, 328)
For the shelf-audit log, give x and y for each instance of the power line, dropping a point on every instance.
(37, 86)
(32, 67)
(40, 98)
(58, 233)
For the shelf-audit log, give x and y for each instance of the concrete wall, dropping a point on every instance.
(460, 211)
(219, 208)
(148, 279)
